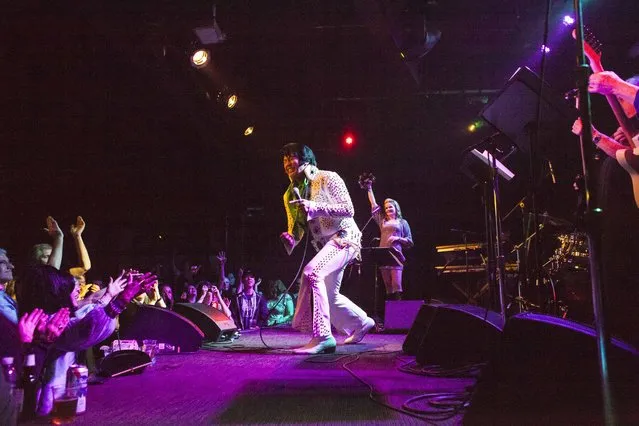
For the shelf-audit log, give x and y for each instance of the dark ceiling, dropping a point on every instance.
(104, 117)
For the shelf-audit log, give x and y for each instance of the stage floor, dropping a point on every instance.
(247, 383)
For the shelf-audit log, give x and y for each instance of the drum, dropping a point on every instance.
(572, 253)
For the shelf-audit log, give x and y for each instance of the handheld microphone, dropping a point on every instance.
(296, 192)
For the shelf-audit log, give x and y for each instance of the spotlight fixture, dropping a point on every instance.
(545, 49)
(231, 101)
(249, 131)
(568, 20)
(200, 58)
(227, 97)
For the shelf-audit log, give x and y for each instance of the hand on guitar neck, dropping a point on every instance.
(619, 95)
(609, 83)
(602, 79)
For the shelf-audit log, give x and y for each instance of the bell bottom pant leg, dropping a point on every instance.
(323, 275)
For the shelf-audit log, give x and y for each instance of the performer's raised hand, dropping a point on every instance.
(366, 181)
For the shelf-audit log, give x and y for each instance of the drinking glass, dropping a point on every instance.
(65, 404)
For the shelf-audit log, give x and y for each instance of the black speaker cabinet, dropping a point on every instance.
(546, 372)
(214, 324)
(120, 363)
(399, 315)
(453, 335)
(139, 322)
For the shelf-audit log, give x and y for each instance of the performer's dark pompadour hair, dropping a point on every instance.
(304, 153)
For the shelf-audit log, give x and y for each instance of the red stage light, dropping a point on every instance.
(349, 139)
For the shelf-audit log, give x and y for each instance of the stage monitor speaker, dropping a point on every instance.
(216, 326)
(546, 372)
(139, 322)
(453, 335)
(123, 362)
(399, 315)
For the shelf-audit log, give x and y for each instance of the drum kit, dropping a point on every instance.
(563, 287)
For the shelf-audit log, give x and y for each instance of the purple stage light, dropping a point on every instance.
(545, 49)
(568, 20)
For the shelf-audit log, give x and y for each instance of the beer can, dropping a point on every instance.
(78, 379)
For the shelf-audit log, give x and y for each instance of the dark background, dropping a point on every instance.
(104, 117)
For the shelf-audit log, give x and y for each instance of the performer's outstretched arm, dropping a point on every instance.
(371, 198)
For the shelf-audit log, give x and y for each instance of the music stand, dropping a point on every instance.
(380, 256)
(486, 169)
(525, 105)
(516, 108)
(477, 166)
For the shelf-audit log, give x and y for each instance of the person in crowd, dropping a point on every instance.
(166, 293)
(47, 254)
(280, 303)
(395, 234)
(151, 297)
(86, 289)
(225, 285)
(240, 286)
(215, 300)
(32, 326)
(8, 306)
(203, 292)
(318, 201)
(45, 287)
(189, 295)
(187, 274)
(249, 308)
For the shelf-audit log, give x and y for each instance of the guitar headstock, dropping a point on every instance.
(592, 49)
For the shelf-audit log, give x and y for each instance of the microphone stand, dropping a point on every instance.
(593, 215)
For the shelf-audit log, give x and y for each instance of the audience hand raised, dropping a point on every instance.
(78, 227)
(53, 229)
(137, 284)
(221, 257)
(116, 286)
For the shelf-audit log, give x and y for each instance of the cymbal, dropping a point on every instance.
(546, 219)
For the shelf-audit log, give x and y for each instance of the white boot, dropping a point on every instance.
(318, 345)
(358, 335)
